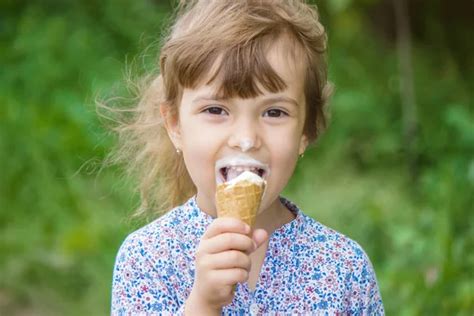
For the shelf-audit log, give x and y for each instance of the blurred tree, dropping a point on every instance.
(407, 89)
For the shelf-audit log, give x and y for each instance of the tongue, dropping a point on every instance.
(232, 174)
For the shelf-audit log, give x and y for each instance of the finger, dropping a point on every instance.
(259, 236)
(227, 260)
(228, 276)
(228, 241)
(226, 224)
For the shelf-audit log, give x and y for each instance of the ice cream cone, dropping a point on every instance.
(240, 200)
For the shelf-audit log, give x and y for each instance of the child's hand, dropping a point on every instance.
(222, 260)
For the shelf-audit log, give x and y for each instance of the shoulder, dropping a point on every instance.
(146, 273)
(160, 238)
(158, 229)
(336, 246)
(331, 259)
(345, 258)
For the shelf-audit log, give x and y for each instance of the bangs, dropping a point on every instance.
(238, 71)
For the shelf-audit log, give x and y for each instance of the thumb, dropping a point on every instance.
(259, 236)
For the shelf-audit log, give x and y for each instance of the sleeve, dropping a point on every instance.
(364, 294)
(140, 286)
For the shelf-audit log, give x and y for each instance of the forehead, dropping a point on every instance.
(283, 63)
(260, 67)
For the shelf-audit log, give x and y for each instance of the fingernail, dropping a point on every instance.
(247, 229)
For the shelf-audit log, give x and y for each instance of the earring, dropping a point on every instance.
(178, 151)
(302, 155)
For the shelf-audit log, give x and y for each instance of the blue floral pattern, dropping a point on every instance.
(308, 269)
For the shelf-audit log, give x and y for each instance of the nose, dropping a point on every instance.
(246, 144)
(244, 136)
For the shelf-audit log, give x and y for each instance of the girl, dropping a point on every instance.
(242, 86)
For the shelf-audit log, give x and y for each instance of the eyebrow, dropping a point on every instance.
(280, 99)
(207, 97)
(265, 101)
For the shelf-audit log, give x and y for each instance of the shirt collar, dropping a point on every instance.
(291, 227)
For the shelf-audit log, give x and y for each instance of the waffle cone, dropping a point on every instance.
(242, 201)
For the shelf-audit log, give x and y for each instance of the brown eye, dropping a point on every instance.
(215, 110)
(275, 113)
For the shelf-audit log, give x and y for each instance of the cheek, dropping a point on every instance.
(284, 144)
(284, 163)
(199, 148)
(284, 156)
(195, 136)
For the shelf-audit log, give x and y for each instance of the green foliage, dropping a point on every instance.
(62, 218)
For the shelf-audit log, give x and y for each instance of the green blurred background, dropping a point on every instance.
(395, 170)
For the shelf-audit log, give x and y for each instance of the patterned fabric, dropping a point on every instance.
(308, 269)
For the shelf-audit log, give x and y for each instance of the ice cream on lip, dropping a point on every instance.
(231, 167)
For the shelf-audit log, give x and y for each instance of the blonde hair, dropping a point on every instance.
(223, 42)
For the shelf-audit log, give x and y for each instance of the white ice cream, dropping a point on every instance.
(247, 176)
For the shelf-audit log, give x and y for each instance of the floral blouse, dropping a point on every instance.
(308, 269)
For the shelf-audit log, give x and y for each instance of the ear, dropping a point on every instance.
(303, 144)
(171, 123)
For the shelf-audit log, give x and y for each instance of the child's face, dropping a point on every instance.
(268, 128)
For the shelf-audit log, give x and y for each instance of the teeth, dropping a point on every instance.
(242, 169)
(232, 172)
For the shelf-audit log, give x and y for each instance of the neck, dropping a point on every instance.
(274, 217)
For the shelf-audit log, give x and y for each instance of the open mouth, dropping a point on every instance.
(230, 167)
(228, 173)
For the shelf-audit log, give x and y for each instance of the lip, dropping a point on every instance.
(239, 161)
